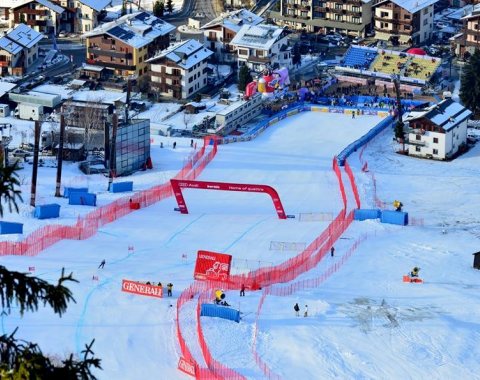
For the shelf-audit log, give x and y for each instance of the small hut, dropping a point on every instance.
(476, 260)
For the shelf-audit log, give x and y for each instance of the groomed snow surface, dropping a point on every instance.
(363, 323)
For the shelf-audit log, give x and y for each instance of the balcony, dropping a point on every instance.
(109, 53)
(112, 65)
(163, 74)
(38, 12)
(36, 22)
(416, 142)
(254, 58)
(393, 21)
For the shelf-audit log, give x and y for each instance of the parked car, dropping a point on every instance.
(21, 153)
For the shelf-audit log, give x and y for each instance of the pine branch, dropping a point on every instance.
(28, 292)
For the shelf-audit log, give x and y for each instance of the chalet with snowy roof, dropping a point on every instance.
(124, 45)
(469, 39)
(404, 21)
(43, 16)
(220, 31)
(262, 46)
(18, 50)
(438, 131)
(179, 71)
(81, 16)
(352, 17)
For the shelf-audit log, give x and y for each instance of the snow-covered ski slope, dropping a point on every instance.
(363, 322)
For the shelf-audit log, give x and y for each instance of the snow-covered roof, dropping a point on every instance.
(136, 29)
(88, 67)
(185, 54)
(24, 36)
(6, 87)
(18, 3)
(411, 6)
(234, 20)
(257, 36)
(97, 5)
(458, 14)
(10, 46)
(446, 114)
(475, 12)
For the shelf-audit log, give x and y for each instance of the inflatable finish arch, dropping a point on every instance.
(177, 186)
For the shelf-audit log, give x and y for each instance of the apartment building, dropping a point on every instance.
(262, 46)
(352, 17)
(238, 114)
(81, 16)
(18, 50)
(43, 16)
(179, 71)
(124, 45)
(404, 21)
(439, 131)
(220, 32)
(468, 40)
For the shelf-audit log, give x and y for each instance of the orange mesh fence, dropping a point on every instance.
(88, 225)
(349, 172)
(288, 290)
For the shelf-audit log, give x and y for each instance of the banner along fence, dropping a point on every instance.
(86, 226)
(265, 277)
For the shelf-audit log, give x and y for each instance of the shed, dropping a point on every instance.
(476, 260)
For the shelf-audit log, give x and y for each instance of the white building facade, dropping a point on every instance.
(439, 131)
(179, 71)
(220, 32)
(238, 114)
(262, 46)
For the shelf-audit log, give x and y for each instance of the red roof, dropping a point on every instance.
(416, 51)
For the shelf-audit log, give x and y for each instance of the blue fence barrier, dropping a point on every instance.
(119, 187)
(364, 214)
(47, 211)
(11, 228)
(68, 190)
(83, 199)
(212, 310)
(394, 217)
(384, 124)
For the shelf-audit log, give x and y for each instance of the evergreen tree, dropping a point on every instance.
(169, 6)
(20, 359)
(158, 9)
(400, 133)
(296, 56)
(9, 194)
(470, 84)
(244, 77)
(123, 12)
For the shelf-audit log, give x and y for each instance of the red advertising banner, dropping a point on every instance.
(186, 367)
(142, 289)
(178, 185)
(212, 266)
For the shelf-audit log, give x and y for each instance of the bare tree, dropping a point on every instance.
(187, 118)
(90, 118)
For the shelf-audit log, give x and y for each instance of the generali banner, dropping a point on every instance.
(142, 289)
(212, 266)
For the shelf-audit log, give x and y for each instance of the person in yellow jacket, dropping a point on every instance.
(169, 289)
(397, 205)
(219, 296)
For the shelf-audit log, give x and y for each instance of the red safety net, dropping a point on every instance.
(264, 278)
(88, 224)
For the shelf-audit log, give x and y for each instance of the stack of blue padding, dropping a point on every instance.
(47, 211)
